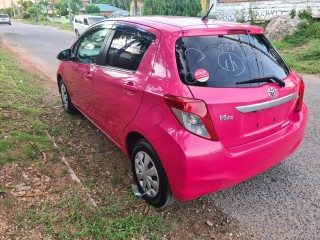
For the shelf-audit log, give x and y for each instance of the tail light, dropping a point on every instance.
(193, 115)
(301, 93)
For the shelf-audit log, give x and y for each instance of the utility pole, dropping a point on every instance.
(4, 5)
(37, 10)
(14, 10)
(70, 12)
(17, 6)
(135, 7)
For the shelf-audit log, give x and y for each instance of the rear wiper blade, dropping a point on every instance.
(269, 79)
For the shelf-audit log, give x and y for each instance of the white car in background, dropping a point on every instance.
(4, 18)
(82, 22)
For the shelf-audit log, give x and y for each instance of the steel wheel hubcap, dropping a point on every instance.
(64, 96)
(147, 174)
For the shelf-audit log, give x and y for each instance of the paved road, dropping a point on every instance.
(282, 203)
(40, 43)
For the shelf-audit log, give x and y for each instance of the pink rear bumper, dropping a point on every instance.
(196, 166)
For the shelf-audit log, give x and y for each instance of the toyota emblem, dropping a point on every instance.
(272, 92)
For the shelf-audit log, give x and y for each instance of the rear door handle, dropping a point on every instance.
(130, 87)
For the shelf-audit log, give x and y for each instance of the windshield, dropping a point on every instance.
(93, 20)
(224, 60)
(3, 16)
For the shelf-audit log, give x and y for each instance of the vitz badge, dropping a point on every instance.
(225, 117)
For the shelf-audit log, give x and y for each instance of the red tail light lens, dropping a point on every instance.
(300, 100)
(193, 115)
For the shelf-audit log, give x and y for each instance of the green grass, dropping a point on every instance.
(305, 59)
(301, 49)
(24, 139)
(22, 134)
(5, 145)
(62, 26)
(80, 221)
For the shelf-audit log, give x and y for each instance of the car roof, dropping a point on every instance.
(178, 23)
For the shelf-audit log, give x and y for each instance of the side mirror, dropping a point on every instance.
(65, 55)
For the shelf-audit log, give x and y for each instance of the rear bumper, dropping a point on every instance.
(196, 166)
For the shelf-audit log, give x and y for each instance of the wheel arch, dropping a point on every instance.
(59, 78)
(131, 139)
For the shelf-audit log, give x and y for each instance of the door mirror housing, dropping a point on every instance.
(65, 55)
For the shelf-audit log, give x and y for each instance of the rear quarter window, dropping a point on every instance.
(224, 60)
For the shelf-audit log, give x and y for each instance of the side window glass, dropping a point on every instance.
(128, 47)
(85, 21)
(90, 45)
(80, 20)
(76, 20)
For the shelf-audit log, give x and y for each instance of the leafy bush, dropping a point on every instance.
(293, 13)
(306, 14)
(191, 8)
(306, 31)
(92, 8)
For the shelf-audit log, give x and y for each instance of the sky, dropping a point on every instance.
(6, 2)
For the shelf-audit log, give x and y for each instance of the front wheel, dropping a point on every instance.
(150, 175)
(66, 100)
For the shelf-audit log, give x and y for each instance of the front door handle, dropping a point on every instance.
(130, 87)
(88, 75)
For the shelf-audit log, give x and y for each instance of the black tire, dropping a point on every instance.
(66, 100)
(77, 33)
(160, 197)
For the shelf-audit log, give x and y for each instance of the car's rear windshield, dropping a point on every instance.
(225, 60)
(3, 16)
(94, 20)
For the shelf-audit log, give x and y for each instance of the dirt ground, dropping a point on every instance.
(103, 170)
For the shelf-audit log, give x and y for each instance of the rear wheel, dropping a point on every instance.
(66, 100)
(149, 175)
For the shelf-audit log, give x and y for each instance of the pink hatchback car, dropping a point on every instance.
(198, 106)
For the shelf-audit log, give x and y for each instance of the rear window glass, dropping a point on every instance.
(225, 60)
(128, 47)
(3, 16)
(93, 20)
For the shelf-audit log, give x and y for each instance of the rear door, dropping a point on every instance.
(120, 84)
(216, 68)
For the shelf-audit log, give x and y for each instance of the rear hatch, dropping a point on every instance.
(217, 70)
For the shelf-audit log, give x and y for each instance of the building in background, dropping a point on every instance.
(107, 9)
(246, 10)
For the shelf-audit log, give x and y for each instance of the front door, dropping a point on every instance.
(83, 68)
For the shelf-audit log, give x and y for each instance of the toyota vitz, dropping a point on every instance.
(197, 106)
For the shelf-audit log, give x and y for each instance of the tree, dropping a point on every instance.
(32, 11)
(190, 8)
(92, 8)
(46, 4)
(62, 6)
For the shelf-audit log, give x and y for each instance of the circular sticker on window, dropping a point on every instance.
(201, 75)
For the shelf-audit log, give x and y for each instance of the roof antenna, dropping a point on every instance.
(206, 18)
